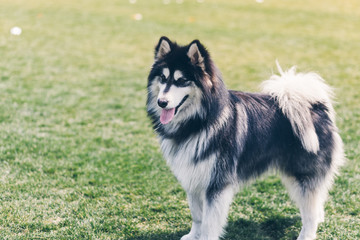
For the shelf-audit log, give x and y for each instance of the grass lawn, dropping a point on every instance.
(78, 157)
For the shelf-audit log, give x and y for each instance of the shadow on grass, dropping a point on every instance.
(159, 236)
(273, 228)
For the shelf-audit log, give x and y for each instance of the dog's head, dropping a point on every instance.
(179, 79)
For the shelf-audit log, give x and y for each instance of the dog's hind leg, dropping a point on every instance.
(311, 204)
(196, 207)
(216, 208)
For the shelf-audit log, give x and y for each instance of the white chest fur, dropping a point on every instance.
(192, 176)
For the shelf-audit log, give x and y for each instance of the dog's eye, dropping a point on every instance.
(162, 78)
(181, 81)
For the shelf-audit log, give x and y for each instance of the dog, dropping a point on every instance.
(216, 140)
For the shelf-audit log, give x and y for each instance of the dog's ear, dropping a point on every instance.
(163, 47)
(200, 57)
(197, 54)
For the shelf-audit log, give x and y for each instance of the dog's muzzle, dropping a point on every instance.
(162, 103)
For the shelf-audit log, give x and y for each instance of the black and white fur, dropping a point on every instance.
(215, 140)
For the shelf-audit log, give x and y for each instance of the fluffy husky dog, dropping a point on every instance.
(215, 140)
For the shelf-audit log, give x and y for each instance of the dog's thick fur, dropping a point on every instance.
(214, 139)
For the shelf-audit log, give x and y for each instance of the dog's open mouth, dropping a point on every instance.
(168, 114)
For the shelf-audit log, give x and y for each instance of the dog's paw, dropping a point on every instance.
(189, 237)
(303, 236)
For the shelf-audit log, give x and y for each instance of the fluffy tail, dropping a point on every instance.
(296, 93)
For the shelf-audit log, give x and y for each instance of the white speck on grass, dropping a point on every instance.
(200, 1)
(15, 31)
(259, 1)
(132, 1)
(138, 16)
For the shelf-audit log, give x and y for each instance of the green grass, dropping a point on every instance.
(78, 157)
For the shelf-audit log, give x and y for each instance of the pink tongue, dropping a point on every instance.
(167, 115)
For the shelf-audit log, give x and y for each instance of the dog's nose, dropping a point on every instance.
(162, 103)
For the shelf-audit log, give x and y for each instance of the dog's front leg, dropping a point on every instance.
(216, 208)
(196, 207)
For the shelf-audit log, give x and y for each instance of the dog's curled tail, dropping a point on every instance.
(296, 93)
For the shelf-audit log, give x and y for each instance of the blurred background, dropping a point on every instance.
(78, 157)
